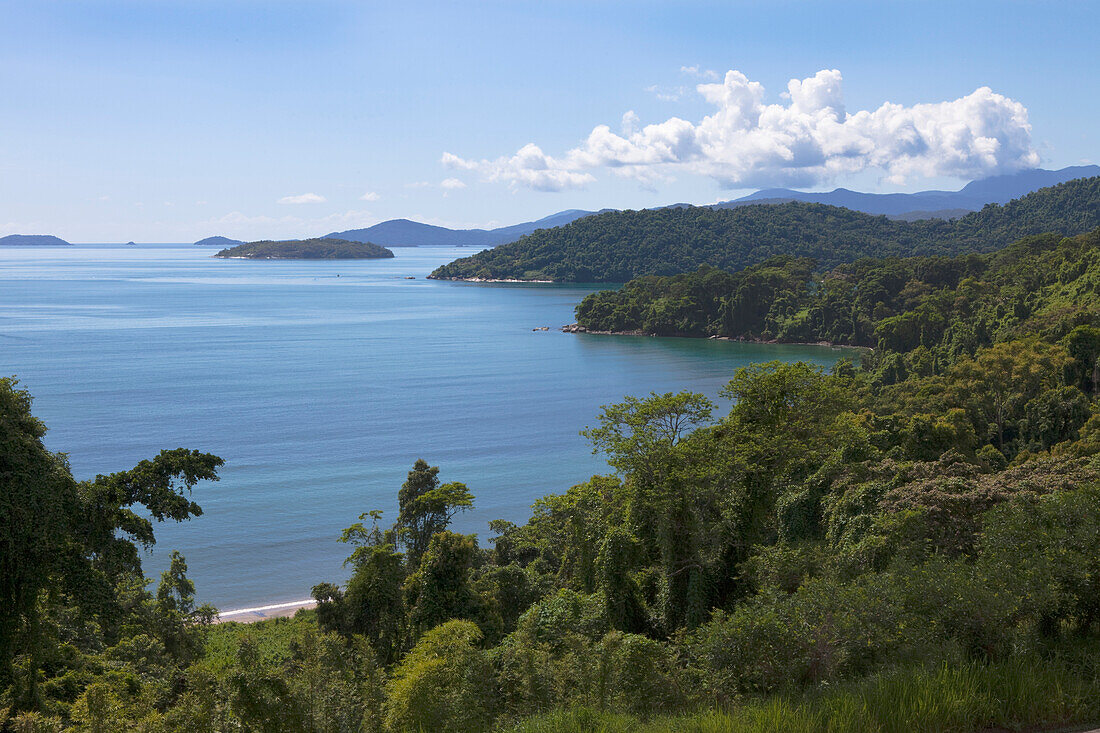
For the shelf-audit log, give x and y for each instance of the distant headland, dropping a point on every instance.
(219, 241)
(306, 249)
(37, 240)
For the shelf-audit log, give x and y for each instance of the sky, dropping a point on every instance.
(168, 121)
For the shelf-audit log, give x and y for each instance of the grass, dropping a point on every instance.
(272, 638)
(1019, 694)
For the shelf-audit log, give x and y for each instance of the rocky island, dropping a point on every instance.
(36, 240)
(306, 249)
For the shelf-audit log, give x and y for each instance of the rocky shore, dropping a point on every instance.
(577, 328)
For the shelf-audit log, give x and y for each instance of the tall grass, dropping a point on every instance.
(1016, 694)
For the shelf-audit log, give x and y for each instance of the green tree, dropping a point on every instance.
(373, 601)
(637, 434)
(39, 508)
(427, 508)
(444, 684)
(441, 587)
(75, 542)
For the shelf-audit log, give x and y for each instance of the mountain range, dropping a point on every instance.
(406, 233)
(903, 206)
(930, 204)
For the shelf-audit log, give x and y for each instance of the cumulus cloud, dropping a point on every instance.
(369, 196)
(808, 139)
(305, 198)
(529, 167)
(451, 184)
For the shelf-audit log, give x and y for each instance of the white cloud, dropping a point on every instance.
(419, 184)
(629, 124)
(810, 139)
(369, 196)
(529, 167)
(699, 72)
(452, 184)
(667, 94)
(304, 198)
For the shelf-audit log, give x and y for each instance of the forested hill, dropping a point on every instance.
(620, 246)
(938, 305)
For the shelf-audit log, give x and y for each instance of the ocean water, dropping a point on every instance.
(320, 383)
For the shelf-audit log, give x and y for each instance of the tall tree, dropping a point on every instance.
(427, 508)
(77, 539)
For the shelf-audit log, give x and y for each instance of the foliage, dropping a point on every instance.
(904, 544)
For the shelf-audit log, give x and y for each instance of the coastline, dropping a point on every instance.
(577, 328)
(486, 280)
(261, 613)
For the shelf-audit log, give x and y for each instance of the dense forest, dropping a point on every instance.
(615, 247)
(905, 542)
(935, 307)
(307, 249)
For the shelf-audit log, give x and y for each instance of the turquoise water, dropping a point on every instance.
(320, 383)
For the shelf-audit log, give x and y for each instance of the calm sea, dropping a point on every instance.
(320, 383)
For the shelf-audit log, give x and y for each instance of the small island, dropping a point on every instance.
(219, 241)
(33, 240)
(307, 249)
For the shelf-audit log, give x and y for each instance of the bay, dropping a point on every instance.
(320, 383)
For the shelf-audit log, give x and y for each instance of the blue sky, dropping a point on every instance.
(156, 120)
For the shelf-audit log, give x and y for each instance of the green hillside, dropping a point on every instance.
(939, 303)
(619, 246)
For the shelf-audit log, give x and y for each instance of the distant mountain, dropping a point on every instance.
(406, 233)
(971, 197)
(32, 239)
(219, 241)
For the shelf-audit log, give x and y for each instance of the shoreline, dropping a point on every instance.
(487, 280)
(577, 328)
(261, 613)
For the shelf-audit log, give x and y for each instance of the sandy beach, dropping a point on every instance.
(259, 613)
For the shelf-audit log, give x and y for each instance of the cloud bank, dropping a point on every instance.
(809, 139)
(305, 198)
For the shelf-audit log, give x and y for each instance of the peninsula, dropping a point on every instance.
(36, 240)
(306, 249)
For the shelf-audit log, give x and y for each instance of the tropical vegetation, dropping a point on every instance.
(907, 541)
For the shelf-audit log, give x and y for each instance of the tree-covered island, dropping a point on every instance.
(306, 249)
